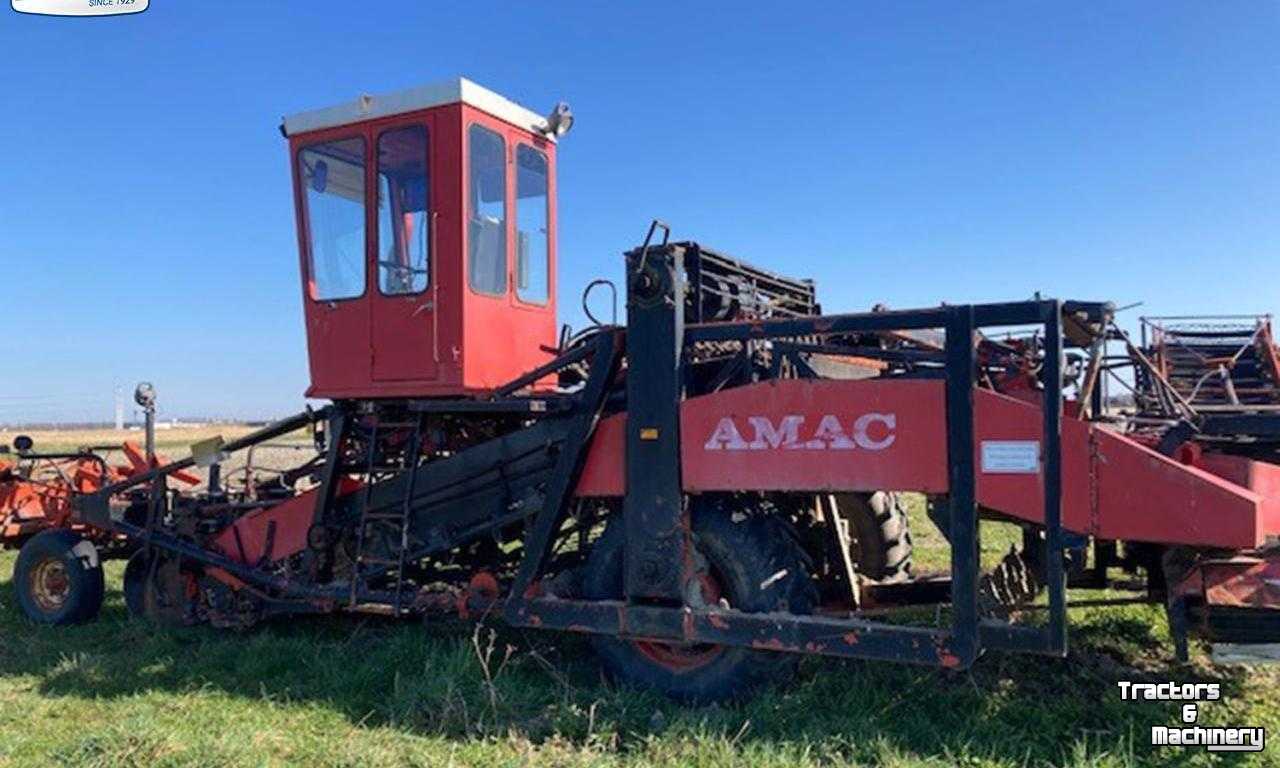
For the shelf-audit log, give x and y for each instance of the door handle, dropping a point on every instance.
(425, 306)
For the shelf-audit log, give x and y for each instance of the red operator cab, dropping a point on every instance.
(426, 231)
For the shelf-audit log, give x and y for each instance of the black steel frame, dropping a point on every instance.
(656, 339)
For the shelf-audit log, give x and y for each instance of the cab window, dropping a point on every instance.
(332, 176)
(533, 244)
(404, 235)
(487, 211)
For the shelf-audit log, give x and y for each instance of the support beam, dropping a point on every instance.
(658, 539)
(962, 483)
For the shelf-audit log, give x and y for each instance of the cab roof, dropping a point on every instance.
(453, 91)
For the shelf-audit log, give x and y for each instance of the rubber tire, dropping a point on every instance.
(879, 521)
(87, 585)
(745, 553)
(135, 584)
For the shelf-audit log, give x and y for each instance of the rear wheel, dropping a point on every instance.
(58, 578)
(749, 562)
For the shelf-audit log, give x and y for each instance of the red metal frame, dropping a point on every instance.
(1112, 487)
(449, 340)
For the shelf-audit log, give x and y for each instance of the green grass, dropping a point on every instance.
(347, 691)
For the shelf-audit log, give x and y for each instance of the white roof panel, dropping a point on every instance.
(369, 107)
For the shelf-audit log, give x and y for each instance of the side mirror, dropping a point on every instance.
(23, 443)
(560, 119)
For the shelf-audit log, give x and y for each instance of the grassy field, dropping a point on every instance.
(349, 691)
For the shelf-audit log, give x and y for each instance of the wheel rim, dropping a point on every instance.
(679, 658)
(683, 657)
(50, 584)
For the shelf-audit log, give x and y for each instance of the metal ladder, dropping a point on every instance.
(370, 517)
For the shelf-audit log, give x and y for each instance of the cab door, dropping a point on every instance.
(402, 304)
(331, 179)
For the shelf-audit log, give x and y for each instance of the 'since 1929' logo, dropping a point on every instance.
(80, 7)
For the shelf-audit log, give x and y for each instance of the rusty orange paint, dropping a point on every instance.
(30, 506)
(27, 507)
(138, 464)
(482, 586)
(1243, 580)
(773, 644)
(226, 578)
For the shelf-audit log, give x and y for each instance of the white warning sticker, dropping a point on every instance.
(1011, 457)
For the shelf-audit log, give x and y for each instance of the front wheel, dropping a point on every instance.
(749, 562)
(58, 578)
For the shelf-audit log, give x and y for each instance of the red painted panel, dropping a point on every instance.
(817, 435)
(245, 540)
(1258, 476)
(1115, 487)
(604, 473)
(504, 337)
(799, 436)
(338, 345)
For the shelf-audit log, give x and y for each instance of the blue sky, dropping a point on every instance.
(905, 153)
